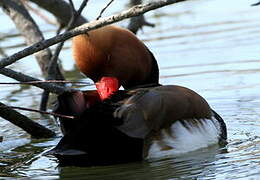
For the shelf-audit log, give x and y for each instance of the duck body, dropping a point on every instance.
(144, 121)
(137, 124)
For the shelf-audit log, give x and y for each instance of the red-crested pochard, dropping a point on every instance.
(116, 126)
(113, 51)
(136, 124)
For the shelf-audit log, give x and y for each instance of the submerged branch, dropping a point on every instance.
(134, 11)
(34, 129)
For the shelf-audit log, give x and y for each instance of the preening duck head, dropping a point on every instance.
(112, 51)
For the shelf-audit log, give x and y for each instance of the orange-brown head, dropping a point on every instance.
(112, 51)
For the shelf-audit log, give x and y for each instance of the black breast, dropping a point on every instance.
(93, 139)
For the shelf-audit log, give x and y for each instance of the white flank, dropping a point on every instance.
(186, 139)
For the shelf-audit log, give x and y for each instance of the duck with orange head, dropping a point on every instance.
(144, 121)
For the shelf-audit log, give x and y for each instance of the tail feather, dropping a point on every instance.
(223, 128)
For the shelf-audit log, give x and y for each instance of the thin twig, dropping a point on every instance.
(46, 81)
(82, 6)
(103, 10)
(52, 87)
(29, 29)
(53, 63)
(132, 12)
(75, 14)
(72, 7)
(39, 111)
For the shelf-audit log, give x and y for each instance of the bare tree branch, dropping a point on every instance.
(34, 129)
(137, 22)
(31, 32)
(51, 87)
(60, 9)
(103, 10)
(134, 11)
(53, 65)
(39, 13)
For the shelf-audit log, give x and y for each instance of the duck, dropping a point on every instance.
(145, 120)
(112, 51)
(135, 125)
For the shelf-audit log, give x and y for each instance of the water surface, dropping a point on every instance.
(212, 47)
